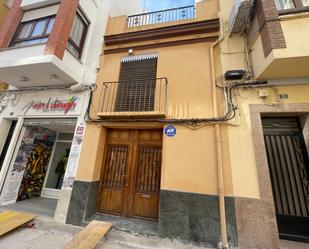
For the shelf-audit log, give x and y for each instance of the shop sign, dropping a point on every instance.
(65, 105)
(170, 131)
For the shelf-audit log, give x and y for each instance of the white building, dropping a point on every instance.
(46, 47)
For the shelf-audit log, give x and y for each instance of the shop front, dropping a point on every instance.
(40, 144)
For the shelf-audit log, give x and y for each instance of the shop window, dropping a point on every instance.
(34, 31)
(78, 35)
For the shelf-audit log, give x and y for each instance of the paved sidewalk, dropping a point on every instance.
(49, 235)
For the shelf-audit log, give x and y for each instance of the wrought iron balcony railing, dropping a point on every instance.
(140, 97)
(163, 16)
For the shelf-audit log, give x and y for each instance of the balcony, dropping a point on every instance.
(163, 16)
(291, 61)
(28, 66)
(142, 98)
(204, 10)
(38, 53)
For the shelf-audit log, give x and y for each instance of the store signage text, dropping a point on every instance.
(57, 105)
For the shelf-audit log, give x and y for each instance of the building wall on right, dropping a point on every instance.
(274, 48)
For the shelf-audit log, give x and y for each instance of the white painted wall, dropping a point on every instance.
(31, 4)
(97, 12)
(11, 56)
(94, 41)
(39, 13)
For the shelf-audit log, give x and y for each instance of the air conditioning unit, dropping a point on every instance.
(239, 14)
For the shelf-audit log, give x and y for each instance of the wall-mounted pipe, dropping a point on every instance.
(218, 150)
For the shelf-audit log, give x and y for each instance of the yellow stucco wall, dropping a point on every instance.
(242, 157)
(189, 158)
(187, 68)
(206, 9)
(278, 63)
(189, 161)
(3, 11)
(296, 30)
(89, 167)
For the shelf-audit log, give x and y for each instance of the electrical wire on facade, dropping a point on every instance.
(196, 123)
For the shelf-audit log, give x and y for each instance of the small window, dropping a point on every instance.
(292, 5)
(285, 4)
(34, 31)
(78, 35)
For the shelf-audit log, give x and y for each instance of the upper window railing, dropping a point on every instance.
(163, 16)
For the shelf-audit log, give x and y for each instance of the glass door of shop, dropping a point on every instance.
(39, 161)
(57, 166)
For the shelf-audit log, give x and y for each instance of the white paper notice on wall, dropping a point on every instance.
(73, 160)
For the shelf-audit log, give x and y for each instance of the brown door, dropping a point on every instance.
(131, 174)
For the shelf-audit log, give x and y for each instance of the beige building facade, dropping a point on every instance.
(170, 139)
(269, 120)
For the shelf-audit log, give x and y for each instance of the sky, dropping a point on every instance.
(153, 5)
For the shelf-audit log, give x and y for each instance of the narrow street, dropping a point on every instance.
(142, 124)
(50, 235)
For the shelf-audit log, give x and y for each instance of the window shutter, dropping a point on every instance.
(137, 86)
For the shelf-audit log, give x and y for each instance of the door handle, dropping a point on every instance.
(146, 196)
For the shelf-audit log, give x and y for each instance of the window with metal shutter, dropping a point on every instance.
(137, 86)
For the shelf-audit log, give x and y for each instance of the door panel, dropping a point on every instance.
(131, 176)
(288, 165)
(147, 184)
(114, 179)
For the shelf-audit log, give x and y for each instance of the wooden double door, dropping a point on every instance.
(130, 181)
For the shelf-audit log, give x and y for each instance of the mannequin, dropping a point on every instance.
(61, 167)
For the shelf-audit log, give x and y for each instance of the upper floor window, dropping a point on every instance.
(78, 35)
(291, 4)
(285, 4)
(34, 31)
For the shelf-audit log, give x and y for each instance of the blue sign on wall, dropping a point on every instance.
(170, 131)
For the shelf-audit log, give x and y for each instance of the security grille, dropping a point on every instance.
(115, 170)
(288, 165)
(148, 169)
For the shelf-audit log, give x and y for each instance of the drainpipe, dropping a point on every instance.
(218, 148)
